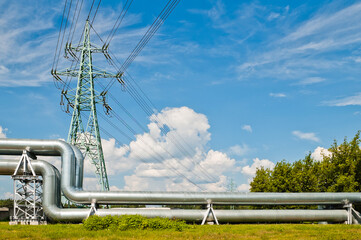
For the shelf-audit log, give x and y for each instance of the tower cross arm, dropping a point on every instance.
(92, 48)
(97, 73)
(100, 73)
(68, 72)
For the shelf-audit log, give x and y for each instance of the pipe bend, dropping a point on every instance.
(48, 147)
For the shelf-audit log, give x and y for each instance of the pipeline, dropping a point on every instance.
(52, 207)
(72, 174)
(71, 186)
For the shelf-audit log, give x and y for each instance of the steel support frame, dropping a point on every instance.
(28, 194)
(210, 211)
(350, 210)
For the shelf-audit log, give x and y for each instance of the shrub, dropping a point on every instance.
(93, 223)
(127, 222)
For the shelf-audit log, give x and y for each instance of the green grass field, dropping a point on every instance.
(255, 231)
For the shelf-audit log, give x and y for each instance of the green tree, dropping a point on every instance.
(304, 175)
(261, 182)
(282, 177)
(339, 172)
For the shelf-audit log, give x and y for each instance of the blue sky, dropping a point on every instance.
(255, 81)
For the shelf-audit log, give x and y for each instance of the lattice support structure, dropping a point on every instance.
(84, 128)
(27, 194)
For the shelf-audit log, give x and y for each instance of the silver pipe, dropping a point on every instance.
(79, 167)
(235, 215)
(52, 209)
(146, 197)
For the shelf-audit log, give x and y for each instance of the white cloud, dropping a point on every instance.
(306, 136)
(216, 162)
(347, 101)
(214, 13)
(319, 153)
(3, 69)
(331, 23)
(277, 95)
(91, 183)
(239, 150)
(155, 161)
(114, 188)
(356, 59)
(2, 132)
(257, 163)
(243, 188)
(311, 80)
(309, 47)
(27, 44)
(247, 128)
(273, 16)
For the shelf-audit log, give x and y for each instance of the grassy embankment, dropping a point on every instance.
(255, 231)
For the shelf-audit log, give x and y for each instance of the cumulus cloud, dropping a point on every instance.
(91, 183)
(156, 161)
(247, 128)
(243, 188)
(257, 163)
(239, 150)
(306, 136)
(2, 132)
(319, 153)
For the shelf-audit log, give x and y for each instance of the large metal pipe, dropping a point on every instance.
(52, 209)
(233, 216)
(74, 193)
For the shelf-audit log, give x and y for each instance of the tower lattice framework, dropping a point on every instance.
(84, 127)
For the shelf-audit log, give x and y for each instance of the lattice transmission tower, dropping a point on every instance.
(84, 127)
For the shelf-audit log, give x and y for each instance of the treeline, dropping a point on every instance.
(339, 172)
(9, 203)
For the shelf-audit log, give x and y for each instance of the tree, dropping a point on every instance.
(339, 172)
(261, 182)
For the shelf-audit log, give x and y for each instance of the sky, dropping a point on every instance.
(238, 84)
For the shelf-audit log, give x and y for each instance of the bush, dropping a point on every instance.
(128, 222)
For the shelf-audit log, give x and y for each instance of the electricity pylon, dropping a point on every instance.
(83, 99)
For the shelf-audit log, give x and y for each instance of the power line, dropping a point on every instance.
(57, 44)
(62, 40)
(163, 15)
(91, 8)
(141, 102)
(118, 22)
(72, 21)
(96, 11)
(151, 31)
(134, 133)
(76, 21)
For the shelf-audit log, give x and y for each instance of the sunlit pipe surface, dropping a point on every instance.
(70, 184)
(52, 209)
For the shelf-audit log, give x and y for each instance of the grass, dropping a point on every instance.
(244, 231)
